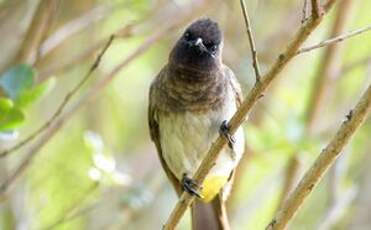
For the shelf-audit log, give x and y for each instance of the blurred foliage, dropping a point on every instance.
(101, 171)
(20, 91)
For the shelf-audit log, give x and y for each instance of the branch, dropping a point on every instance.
(73, 27)
(254, 53)
(124, 32)
(329, 66)
(61, 107)
(291, 175)
(316, 8)
(36, 32)
(239, 117)
(93, 92)
(323, 162)
(334, 40)
(130, 29)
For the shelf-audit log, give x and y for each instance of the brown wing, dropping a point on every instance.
(239, 98)
(155, 131)
(235, 85)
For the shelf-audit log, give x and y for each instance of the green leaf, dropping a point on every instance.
(16, 80)
(13, 119)
(5, 106)
(30, 95)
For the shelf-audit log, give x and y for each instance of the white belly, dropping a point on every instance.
(186, 138)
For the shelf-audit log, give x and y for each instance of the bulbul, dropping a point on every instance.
(190, 101)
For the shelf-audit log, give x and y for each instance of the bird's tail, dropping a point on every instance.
(210, 216)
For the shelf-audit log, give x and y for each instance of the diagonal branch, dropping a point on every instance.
(239, 117)
(61, 107)
(124, 32)
(326, 158)
(254, 53)
(333, 40)
(73, 27)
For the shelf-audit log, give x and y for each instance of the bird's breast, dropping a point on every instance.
(186, 138)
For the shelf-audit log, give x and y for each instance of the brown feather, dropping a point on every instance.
(155, 136)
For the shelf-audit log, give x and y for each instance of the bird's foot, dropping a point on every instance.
(191, 186)
(225, 131)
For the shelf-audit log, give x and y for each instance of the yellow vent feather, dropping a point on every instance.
(212, 186)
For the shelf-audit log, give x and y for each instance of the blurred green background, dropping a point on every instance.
(100, 170)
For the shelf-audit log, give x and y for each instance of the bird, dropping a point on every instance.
(190, 102)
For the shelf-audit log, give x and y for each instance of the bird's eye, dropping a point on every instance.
(212, 47)
(187, 36)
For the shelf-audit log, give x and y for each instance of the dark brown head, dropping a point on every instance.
(199, 47)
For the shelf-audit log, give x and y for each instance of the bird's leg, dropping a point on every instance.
(224, 130)
(190, 186)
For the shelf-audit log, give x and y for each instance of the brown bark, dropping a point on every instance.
(325, 159)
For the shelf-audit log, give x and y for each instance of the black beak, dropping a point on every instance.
(198, 43)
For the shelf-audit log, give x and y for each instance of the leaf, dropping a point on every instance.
(5, 106)
(30, 95)
(13, 119)
(16, 80)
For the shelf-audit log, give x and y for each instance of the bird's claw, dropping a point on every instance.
(225, 131)
(191, 186)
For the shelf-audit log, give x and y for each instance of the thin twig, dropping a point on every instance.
(239, 117)
(73, 27)
(250, 34)
(325, 159)
(331, 41)
(124, 32)
(93, 92)
(128, 30)
(304, 12)
(61, 107)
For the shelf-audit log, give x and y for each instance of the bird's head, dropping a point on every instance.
(200, 45)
